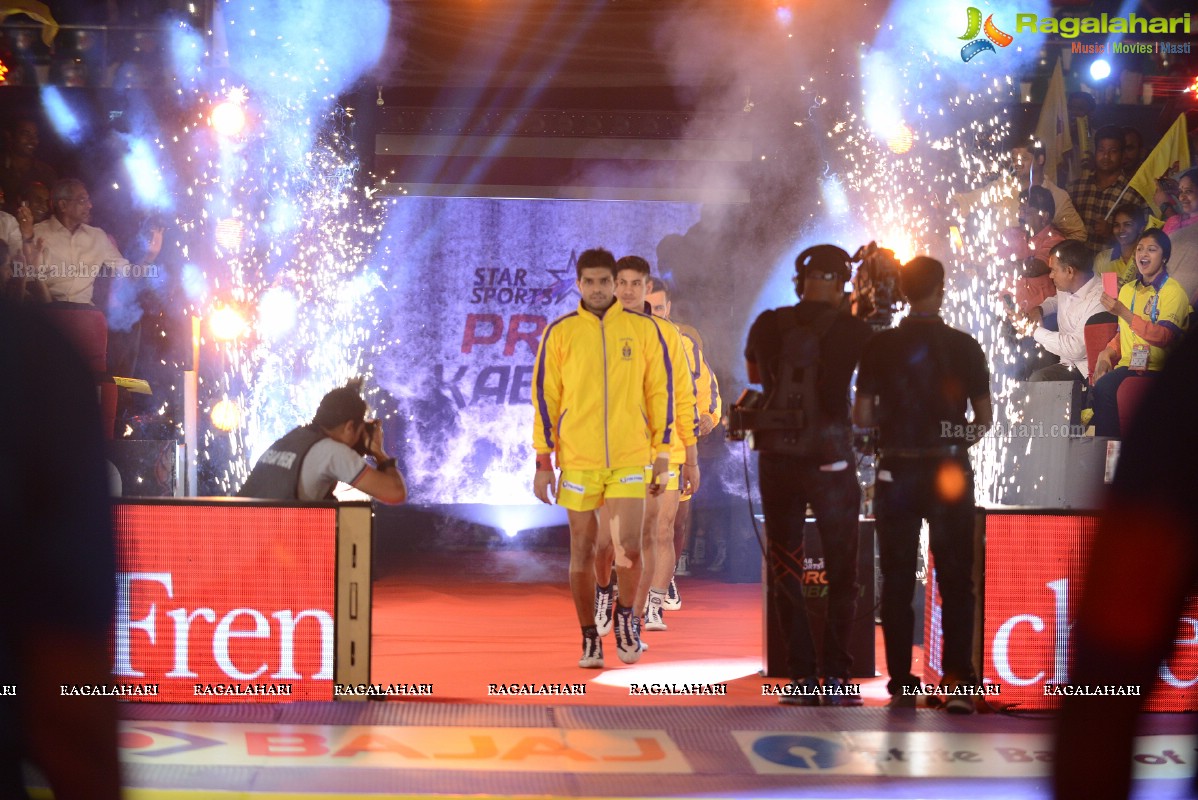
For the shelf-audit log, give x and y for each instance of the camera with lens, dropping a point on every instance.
(748, 418)
(363, 445)
(876, 292)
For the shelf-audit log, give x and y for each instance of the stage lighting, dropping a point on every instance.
(228, 118)
(1100, 69)
(228, 234)
(226, 415)
(900, 139)
(277, 313)
(226, 324)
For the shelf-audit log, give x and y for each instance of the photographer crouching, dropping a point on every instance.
(803, 357)
(309, 461)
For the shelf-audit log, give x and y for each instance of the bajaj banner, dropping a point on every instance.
(224, 603)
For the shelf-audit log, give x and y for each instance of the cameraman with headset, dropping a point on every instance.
(803, 356)
(309, 461)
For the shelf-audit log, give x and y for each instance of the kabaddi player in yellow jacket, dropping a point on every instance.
(601, 393)
(657, 539)
(709, 406)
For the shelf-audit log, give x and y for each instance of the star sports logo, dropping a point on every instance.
(993, 35)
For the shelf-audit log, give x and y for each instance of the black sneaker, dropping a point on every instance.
(803, 693)
(839, 692)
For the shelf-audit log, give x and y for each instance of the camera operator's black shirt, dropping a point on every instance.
(924, 373)
(840, 349)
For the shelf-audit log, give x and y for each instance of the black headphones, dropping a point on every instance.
(826, 261)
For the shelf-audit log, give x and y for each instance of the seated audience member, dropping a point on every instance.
(1187, 203)
(74, 250)
(307, 463)
(1153, 312)
(1129, 221)
(1027, 165)
(1033, 284)
(1078, 297)
(36, 196)
(1095, 194)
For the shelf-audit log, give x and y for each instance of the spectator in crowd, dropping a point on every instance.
(1081, 158)
(1133, 150)
(74, 250)
(1153, 312)
(1187, 203)
(1095, 194)
(1033, 283)
(20, 249)
(36, 195)
(1027, 165)
(20, 165)
(1078, 297)
(1128, 221)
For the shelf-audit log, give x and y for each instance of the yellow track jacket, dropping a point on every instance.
(686, 418)
(707, 388)
(602, 390)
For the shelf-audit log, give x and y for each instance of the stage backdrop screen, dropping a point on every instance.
(225, 603)
(471, 285)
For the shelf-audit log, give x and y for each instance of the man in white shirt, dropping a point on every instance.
(74, 253)
(1078, 297)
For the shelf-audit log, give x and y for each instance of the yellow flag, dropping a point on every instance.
(39, 12)
(1168, 159)
(1053, 127)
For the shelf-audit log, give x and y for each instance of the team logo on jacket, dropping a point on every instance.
(626, 349)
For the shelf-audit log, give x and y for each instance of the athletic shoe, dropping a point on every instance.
(653, 616)
(902, 701)
(605, 600)
(628, 635)
(839, 692)
(673, 601)
(683, 567)
(592, 652)
(803, 693)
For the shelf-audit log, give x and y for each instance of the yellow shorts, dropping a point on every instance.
(675, 475)
(585, 489)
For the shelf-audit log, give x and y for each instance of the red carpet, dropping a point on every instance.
(464, 620)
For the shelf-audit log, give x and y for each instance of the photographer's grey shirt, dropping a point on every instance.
(327, 462)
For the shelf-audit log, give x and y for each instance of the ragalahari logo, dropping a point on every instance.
(993, 35)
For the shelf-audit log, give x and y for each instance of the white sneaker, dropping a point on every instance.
(653, 616)
(592, 652)
(673, 601)
(683, 567)
(628, 635)
(605, 601)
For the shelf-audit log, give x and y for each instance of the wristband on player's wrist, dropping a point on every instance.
(544, 462)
